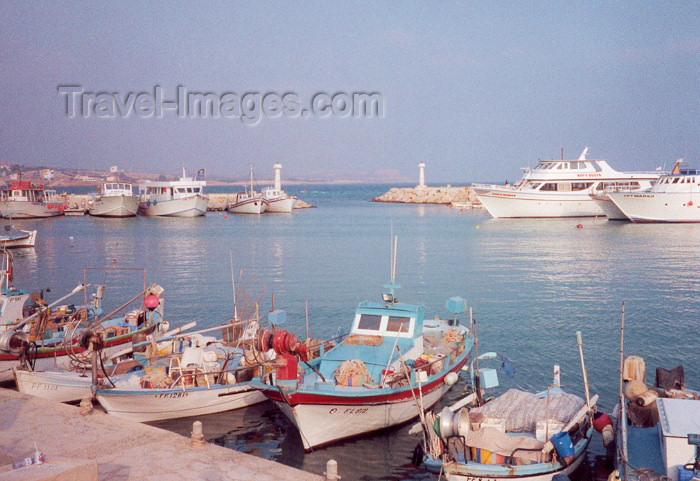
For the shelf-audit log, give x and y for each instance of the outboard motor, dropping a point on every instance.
(694, 440)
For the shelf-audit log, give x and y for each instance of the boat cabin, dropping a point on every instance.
(169, 191)
(379, 333)
(25, 191)
(115, 189)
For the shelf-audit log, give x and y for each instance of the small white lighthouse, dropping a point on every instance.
(421, 175)
(278, 176)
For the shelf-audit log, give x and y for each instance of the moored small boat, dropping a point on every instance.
(24, 199)
(18, 239)
(250, 201)
(278, 200)
(393, 363)
(178, 198)
(115, 199)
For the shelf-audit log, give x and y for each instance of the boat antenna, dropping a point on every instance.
(251, 178)
(622, 422)
(389, 297)
(233, 286)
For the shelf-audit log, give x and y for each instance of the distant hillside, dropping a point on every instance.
(59, 177)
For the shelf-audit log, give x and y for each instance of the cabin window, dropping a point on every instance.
(196, 190)
(370, 322)
(189, 190)
(634, 185)
(549, 186)
(535, 185)
(581, 185)
(398, 324)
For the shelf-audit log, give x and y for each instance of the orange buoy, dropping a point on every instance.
(579, 226)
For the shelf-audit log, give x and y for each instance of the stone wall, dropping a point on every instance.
(428, 195)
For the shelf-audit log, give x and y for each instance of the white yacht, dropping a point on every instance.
(674, 198)
(278, 200)
(249, 202)
(559, 188)
(177, 198)
(115, 199)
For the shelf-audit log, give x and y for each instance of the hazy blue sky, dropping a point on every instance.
(475, 90)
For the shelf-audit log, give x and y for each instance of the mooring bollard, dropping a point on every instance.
(86, 406)
(197, 436)
(332, 470)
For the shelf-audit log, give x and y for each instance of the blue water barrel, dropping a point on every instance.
(562, 444)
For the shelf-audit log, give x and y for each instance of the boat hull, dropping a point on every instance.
(19, 241)
(248, 206)
(659, 206)
(502, 202)
(115, 206)
(612, 212)
(54, 385)
(330, 421)
(18, 209)
(184, 207)
(282, 205)
(157, 404)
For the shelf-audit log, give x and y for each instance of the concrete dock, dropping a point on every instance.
(217, 201)
(98, 446)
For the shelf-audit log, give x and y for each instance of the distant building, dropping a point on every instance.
(46, 174)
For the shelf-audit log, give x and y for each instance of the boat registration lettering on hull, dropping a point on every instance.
(40, 386)
(349, 411)
(171, 395)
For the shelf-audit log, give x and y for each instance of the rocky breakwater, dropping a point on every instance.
(429, 195)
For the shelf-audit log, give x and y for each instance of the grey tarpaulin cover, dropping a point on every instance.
(521, 410)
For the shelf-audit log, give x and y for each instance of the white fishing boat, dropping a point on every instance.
(278, 200)
(177, 198)
(250, 201)
(517, 435)
(17, 239)
(76, 384)
(24, 199)
(559, 188)
(202, 380)
(675, 197)
(115, 199)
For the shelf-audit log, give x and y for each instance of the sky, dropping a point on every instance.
(475, 90)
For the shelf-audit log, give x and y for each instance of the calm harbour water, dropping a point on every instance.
(531, 283)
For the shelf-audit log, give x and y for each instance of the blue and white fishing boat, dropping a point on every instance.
(392, 366)
(517, 435)
(658, 428)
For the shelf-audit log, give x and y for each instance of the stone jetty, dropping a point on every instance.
(97, 446)
(217, 201)
(429, 195)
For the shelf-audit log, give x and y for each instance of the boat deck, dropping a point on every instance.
(644, 448)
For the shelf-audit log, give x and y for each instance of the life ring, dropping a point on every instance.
(50, 206)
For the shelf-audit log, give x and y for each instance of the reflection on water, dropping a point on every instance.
(532, 284)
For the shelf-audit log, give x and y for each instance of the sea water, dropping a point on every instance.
(532, 283)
